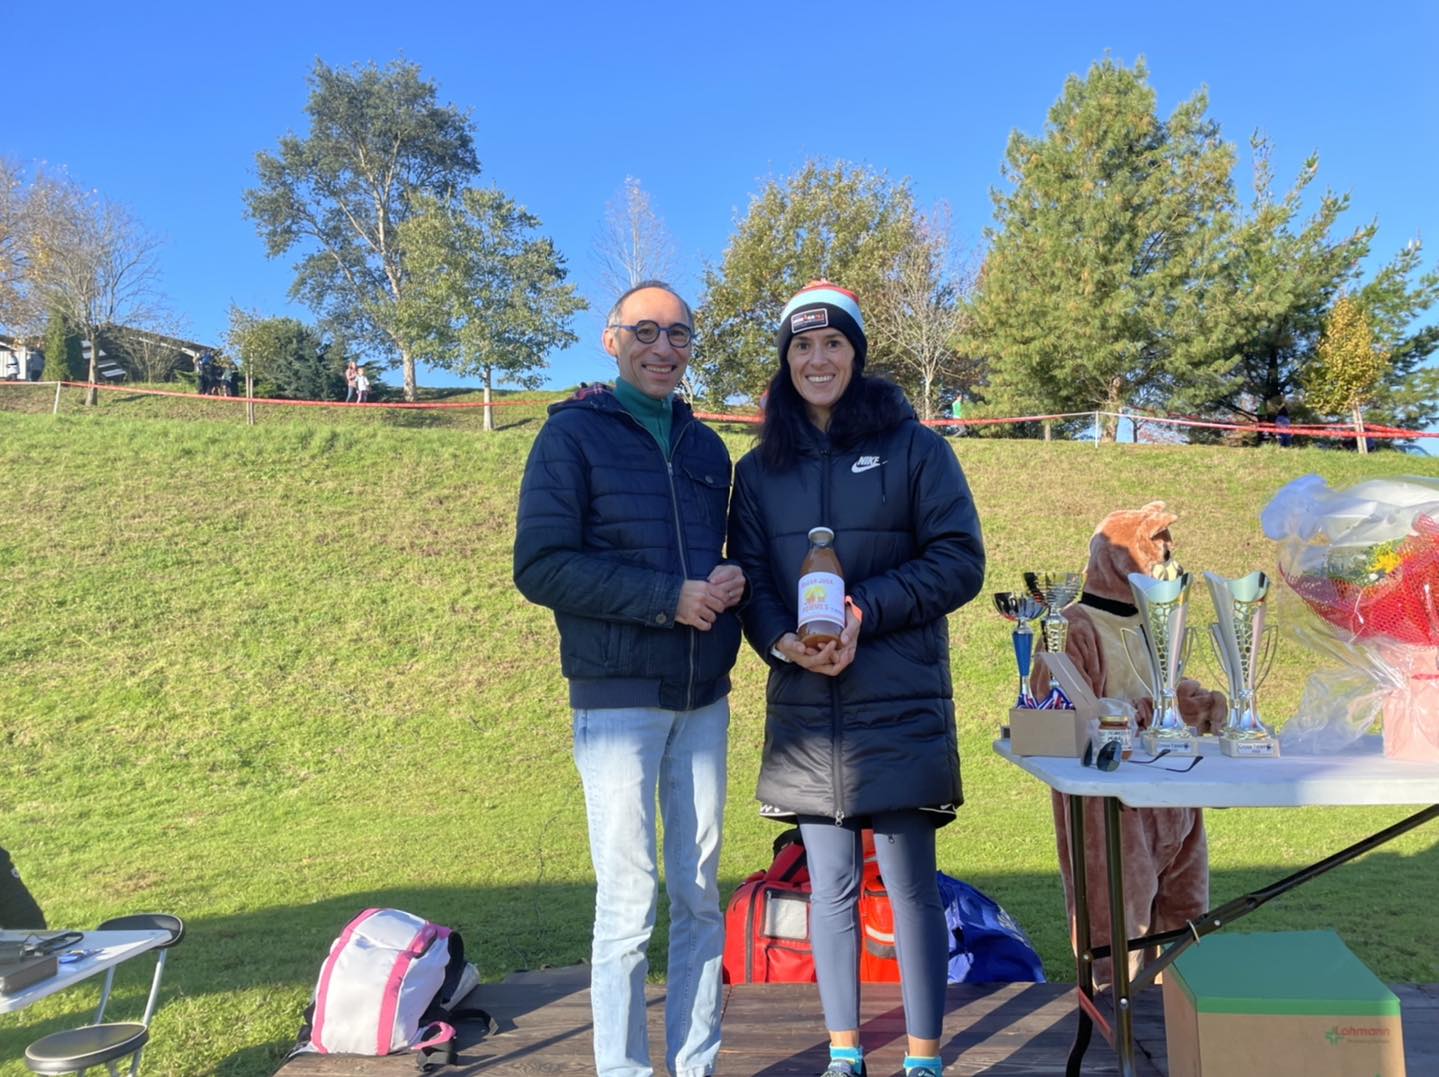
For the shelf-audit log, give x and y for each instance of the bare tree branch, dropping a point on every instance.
(91, 262)
(922, 312)
(632, 244)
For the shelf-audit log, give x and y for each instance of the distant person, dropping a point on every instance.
(18, 909)
(620, 532)
(234, 381)
(956, 412)
(1281, 420)
(362, 387)
(205, 370)
(352, 375)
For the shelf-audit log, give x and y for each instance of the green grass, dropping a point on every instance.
(265, 677)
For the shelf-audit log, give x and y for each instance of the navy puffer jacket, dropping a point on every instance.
(607, 534)
(880, 736)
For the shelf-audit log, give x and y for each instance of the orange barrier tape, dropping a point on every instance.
(1344, 431)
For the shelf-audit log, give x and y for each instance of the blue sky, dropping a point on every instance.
(164, 106)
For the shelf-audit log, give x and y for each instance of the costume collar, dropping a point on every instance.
(1109, 605)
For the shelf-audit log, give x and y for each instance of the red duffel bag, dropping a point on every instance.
(767, 922)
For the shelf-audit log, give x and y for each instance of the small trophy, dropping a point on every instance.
(1055, 590)
(1021, 609)
(1163, 606)
(1245, 652)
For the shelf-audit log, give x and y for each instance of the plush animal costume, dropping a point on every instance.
(1166, 859)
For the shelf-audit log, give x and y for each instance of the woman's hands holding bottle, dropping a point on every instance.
(833, 657)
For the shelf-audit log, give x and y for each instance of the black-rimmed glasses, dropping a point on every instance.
(1172, 770)
(1108, 758)
(647, 332)
(36, 946)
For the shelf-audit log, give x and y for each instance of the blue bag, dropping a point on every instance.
(986, 945)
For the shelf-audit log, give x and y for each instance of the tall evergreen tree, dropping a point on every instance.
(1107, 254)
(1284, 278)
(62, 350)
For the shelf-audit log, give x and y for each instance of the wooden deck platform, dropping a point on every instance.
(773, 1030)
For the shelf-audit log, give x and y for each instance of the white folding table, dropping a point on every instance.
(101, 949)
(1360, 776)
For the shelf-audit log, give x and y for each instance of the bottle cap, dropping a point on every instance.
(821, 534)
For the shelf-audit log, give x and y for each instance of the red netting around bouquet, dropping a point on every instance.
(1402, 606)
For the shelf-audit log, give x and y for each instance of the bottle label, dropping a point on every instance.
(821, 598)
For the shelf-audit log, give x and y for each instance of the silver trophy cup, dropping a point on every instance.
(1021, 609)
(1163, 610)
(1245, 651)
(1055, 591)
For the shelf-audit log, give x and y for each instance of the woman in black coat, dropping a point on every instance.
(860, 732)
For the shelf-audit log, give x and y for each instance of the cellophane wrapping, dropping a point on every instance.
(1365, 560)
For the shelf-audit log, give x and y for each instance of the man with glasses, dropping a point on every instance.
(621, 533)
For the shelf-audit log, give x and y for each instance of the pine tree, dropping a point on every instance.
(1107, 256)
(59, 363)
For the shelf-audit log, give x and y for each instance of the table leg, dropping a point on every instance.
(1118, 941)
(1083, 961)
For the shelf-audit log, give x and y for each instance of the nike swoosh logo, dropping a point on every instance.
(861, 466)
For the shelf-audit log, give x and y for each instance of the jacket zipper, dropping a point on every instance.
(684, 561)
(679, 536)
(836, 719)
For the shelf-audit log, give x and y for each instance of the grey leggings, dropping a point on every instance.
(904, 842)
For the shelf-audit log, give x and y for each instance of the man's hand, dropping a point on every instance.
(727, 584)
(699, 605)
(833, 658)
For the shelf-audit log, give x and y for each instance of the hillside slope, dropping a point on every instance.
(265, 677)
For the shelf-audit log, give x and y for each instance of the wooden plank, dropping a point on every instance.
(776, 1030)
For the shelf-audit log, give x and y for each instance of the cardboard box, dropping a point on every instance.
(1059, 733)
(1279, 1004)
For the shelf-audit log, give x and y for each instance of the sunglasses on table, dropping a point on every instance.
(35, 946)
(1109, 757)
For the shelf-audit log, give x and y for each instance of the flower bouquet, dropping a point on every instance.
(1366, 561)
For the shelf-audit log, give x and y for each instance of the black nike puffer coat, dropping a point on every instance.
(880, 736)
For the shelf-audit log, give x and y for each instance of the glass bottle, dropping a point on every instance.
(821, 591)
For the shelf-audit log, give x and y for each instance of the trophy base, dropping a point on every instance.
(1249, 747)
(1175, 744)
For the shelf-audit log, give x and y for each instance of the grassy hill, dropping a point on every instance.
(265, 677)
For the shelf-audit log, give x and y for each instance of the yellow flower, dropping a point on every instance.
(1388, 561)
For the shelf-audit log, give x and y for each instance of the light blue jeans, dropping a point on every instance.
(630, 758)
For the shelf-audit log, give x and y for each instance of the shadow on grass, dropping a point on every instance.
(278, 950)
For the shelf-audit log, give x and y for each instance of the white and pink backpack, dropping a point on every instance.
(391, 983)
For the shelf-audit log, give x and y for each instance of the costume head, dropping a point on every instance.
(1130, 540)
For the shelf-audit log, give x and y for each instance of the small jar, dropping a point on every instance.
(1116, 722)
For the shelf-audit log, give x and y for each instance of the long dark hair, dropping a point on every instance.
(866, 406)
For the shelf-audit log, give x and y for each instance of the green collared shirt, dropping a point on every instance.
(656, 416)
